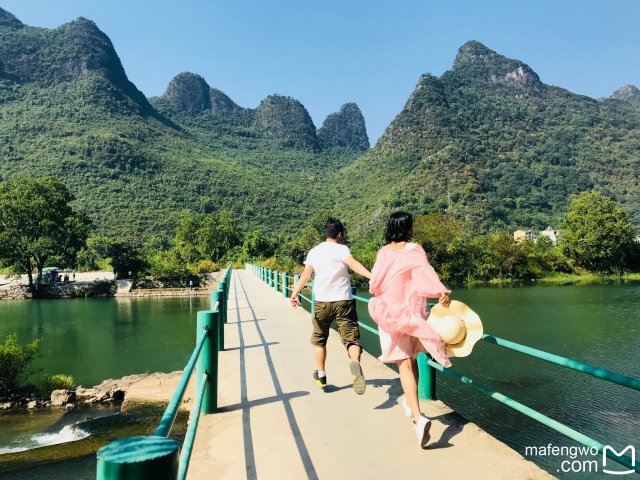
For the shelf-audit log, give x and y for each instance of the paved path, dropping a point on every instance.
(275, 423)
(80, 277)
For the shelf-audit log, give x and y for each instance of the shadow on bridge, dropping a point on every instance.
(280, 396)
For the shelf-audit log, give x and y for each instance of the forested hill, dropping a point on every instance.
(487, 141)
(136, 165)
(490, 143)
(273, 135)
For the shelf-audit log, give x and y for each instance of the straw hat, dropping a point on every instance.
(458, 326)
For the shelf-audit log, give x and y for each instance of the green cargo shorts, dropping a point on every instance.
(346, 317)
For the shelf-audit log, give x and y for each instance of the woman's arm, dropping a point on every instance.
(427, 283)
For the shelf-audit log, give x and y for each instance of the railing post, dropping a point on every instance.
(275, 280)
(313, 298)
(427, 379)
(222, 298)
(271, 272)
(296, 278)
(207, 324)
(285, 293)
(213, 298)
(139, 458)
(216, 297)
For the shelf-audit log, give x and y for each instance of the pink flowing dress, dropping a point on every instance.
(402, 281)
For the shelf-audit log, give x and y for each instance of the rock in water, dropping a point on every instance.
(60, 398)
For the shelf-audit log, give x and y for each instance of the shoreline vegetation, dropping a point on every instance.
(597, 243)
(556, 279)
(561, 279)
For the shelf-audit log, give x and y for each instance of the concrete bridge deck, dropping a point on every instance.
(275, 423)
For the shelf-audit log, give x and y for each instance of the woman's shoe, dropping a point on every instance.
(422, 428)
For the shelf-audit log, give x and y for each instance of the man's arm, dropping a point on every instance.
(357, 267)
(304, 279)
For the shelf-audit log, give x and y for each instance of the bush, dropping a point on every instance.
(104, 265)
(16, 362)
(87, 260)
(59, 381)
(274, 263)
(206, 266)
(169, 265)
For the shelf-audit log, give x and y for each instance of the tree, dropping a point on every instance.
(125, 258)
(15, 362)
(36, 223)
(219, 233)
(435, 232)
(257, 245)
(598, 234)
(187, 237)
(170, 265)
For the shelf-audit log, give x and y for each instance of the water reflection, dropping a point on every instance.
(96, 339)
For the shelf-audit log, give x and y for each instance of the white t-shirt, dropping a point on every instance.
(332, 281)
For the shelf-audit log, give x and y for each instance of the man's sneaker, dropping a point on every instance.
(321, 381)
(407, 409)
(422, 430)
(359, 384)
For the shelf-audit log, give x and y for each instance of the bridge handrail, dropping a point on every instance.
(427, 367)
(156, 456)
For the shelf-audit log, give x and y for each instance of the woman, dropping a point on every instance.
(402, 281)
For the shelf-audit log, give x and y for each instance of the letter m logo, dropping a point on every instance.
(627, 461)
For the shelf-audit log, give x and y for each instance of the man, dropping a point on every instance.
(330, 261)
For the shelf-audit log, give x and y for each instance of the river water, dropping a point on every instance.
(95, 339)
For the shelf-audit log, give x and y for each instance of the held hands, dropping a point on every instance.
(295, 301)
(444, 299)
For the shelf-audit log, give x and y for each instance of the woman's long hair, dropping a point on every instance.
(399, 228)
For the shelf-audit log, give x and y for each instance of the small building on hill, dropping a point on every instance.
(551, 234)
(524, 234)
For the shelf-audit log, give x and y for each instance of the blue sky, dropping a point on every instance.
(326, 53)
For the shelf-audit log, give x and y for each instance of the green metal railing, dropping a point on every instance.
(158, 457)
(428, 368)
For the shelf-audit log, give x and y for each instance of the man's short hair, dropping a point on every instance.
(333, 228)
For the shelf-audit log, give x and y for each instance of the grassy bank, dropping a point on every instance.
(557, 279)
(588, 279)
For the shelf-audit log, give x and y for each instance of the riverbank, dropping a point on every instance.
(101, 284)
(588, 279)
(146, 387)
(67, 438)
(558, 279)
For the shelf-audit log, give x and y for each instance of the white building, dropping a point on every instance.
(524, 234)
(551, 234)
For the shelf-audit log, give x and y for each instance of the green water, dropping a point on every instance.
(94, 339)
(593, 324)
(91, 339)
